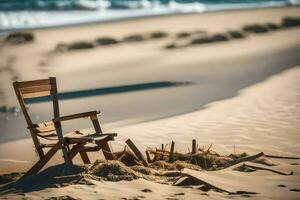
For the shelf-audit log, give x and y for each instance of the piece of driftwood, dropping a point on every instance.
(244, 159)
(171, 155)
(258, 167)
(137, 152)
(149, 160)
(206, 179)
(282, 157)
(194, 146)
(209, 148)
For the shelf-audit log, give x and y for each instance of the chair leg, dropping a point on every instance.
(107, 151)
(85, 158)
(42, 162)
(76, 149)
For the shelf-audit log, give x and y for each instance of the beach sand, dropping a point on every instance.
(244, 97)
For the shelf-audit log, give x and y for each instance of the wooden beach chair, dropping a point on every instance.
(44, 134)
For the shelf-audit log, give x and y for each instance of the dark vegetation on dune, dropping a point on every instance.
(80, 45)
(134, 38)
(19, 37)
(183, 34)
(236, 34)
(287, 22)
(255, 28)
(182, 39)
(158, 35)
(106, 41)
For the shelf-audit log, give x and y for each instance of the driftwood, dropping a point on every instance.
(244, 159)
(194, 146)
(149, 160)
(267, 169)
(282, 157)
(203, 179)
(171, 155)
(137, 152)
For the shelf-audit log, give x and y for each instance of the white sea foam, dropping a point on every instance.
(102, 11)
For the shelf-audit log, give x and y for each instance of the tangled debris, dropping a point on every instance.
(161, 166)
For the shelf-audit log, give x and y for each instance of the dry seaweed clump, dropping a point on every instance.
(80, 45)
(209, 161)
(180, 165)
(113, 170)
(162, 165)
(127, 158)
(19, 37)
(104, 41)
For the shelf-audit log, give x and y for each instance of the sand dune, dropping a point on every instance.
(264, 117)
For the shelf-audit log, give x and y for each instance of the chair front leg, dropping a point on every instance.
(96, 124)
(64, 145)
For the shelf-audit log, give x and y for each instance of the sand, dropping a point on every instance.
(257, 77)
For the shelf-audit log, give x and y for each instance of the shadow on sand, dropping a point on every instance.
(109, 90)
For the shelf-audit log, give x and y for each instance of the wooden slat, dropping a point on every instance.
(37, 94)
(194, 146)
(44, 129)
(40, 88)
(171, 152)
(136, 152)
(75, 116)
(23, 84)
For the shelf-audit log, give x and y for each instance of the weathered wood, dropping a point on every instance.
(282, 157)
(207, 179)
(35, 89)
(96, 124)
(107, 151)
(85, 158)
(149, 160)
(259, 167)
(34, 83)
(194, 146)
(136, 151)
(35, 140)
(244, 159)
(36, 94)
(75, 116)
(171, 155)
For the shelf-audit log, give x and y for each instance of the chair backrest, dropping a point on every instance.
(34, 89)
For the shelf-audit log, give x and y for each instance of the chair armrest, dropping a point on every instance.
(76, 116)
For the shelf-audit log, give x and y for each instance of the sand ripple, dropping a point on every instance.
(264, 117)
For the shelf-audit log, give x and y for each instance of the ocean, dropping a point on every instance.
(32, 14)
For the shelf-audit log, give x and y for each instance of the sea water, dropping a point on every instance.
(31, 14)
